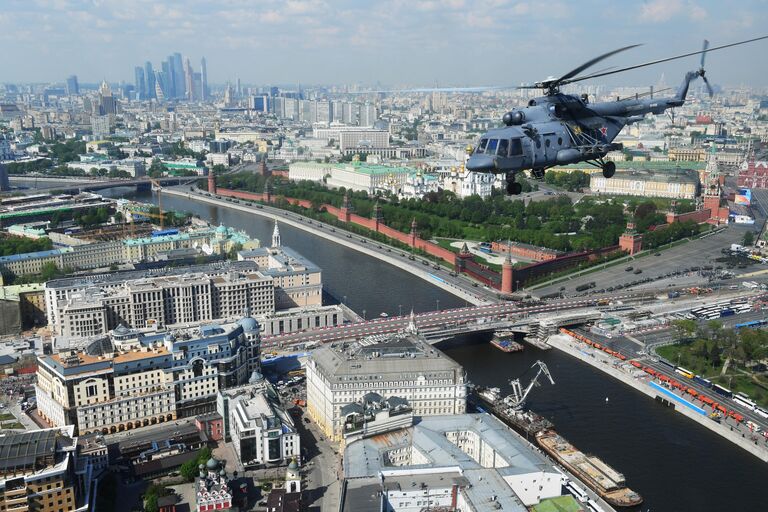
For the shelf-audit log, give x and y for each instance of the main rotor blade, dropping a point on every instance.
(704, 52)
(659, 61)
(709, 87)
(592, 62)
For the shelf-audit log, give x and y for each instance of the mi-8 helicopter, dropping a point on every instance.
(559, 129)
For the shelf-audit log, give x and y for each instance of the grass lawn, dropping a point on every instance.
(735, 379)
(445, 243)
(15, 425)
(6, 416)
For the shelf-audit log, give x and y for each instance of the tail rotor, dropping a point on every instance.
(702, 72)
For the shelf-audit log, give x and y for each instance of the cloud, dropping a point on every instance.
(661, 11)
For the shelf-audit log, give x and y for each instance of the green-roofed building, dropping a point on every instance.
(358, 176)
(565, 503)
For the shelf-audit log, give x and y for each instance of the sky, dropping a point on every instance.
(392, 43)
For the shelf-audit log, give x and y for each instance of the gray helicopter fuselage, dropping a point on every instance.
(560, 129)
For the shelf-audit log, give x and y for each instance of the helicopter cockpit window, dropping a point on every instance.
(481, 147)
(503, 147)
(492, 145)
(515, 147)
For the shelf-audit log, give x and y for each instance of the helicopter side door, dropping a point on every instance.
(551, 147)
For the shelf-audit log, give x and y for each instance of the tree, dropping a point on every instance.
(189, 470)
(49, 271)
(749, 238)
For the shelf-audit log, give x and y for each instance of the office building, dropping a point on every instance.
(402, 365)
(73, 88)
(44, 471)
(204, 79)
(451, 463)
(107, 102)
(149, 74)
(161, 301)
(101, 126)
(130, 378)
(140, 83)
(177, 67)
(261, 430)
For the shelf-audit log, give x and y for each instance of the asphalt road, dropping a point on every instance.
(456, 316)
(439, 272)
(699, 252)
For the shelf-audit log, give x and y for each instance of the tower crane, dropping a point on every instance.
(518, 396)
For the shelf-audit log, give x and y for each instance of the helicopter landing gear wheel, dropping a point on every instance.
(609, 169)
(538, 174)
(513, 187)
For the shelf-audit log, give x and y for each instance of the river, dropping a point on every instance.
(675, 464)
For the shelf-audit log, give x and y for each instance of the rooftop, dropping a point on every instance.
(132, 275)
(370, 358)
(667, 176)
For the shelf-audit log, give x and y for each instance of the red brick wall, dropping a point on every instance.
(698, 216)
(363, 221)
(428, 247)
(532, 253)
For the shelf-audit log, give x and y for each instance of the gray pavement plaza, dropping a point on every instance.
(698, 252)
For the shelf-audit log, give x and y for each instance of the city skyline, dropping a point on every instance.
(394, 43)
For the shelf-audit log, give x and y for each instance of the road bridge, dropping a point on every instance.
(444, 324)
(82, 184)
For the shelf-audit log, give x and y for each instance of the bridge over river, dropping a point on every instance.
(441, 325)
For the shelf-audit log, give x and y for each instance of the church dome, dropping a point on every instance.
(293, 465)
(212, 464)
(249, 324)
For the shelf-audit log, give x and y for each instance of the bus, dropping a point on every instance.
(688, 374)
(743, 399)
(761, 412)
(722, 391)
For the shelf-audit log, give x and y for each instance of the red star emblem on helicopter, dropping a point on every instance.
(604, 131)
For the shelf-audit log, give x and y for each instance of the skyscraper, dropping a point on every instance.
(204, 78)
(188, 80)
(159, 93)
(141, 93)
(107, 102)
(72, 86)
(167, 77)
(178, 76)
(150, 75)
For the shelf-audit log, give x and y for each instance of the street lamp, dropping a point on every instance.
(344, 299)
(437, 304)
(400, 310)
(363, 314)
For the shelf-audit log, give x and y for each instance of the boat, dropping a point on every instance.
(383, 314)
(526, 423)
(490, 395)
(593, 472)
(506, 343)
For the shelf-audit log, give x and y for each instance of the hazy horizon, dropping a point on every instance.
(415, 43)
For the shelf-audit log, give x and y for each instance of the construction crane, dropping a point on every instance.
(157, 188)
(518, 396)
(136, 211)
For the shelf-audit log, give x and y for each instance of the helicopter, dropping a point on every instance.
(559, 129)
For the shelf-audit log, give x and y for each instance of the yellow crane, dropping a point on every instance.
(135, 210)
